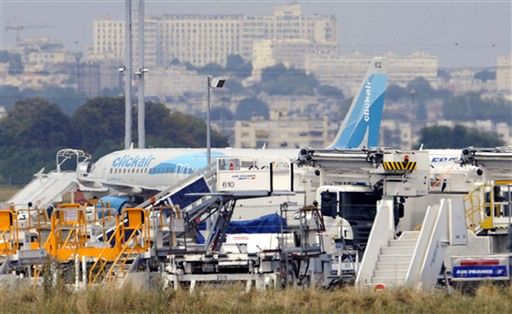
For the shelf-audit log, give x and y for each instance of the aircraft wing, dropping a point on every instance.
(91, 185)
(94, 185)
(130, 188)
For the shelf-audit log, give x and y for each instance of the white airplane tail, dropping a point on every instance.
(361, 126)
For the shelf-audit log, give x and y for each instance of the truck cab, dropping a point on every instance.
(348, 211)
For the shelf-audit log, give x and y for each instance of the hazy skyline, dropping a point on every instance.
(460, 33)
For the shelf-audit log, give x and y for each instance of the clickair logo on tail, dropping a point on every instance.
(128, 161)
(367, 100)
(361, 126)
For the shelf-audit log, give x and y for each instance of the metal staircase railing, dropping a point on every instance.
(484, 209)
(136, 223)
(98, 267)
(118, 268)
(68, 232)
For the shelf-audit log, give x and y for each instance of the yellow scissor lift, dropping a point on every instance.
(488, 207)
(68, 233)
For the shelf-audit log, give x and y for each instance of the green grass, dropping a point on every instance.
(232, 299)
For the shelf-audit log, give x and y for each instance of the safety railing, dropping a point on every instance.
(117, 269)
(485, 207)
(98, 267)
(68, 232)
(132, 237)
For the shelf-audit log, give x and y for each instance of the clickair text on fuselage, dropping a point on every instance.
(132, 161)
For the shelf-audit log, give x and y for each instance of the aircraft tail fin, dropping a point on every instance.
(361, 126)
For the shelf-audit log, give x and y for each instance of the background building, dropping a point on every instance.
(282, 133)
(346, 71)
(504, 74)
(204, 39)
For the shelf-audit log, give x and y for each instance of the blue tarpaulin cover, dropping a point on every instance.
(265, 224)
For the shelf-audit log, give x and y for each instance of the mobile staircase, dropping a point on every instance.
(47, 188)
(414, 258)
(191, 196)
(130, 241)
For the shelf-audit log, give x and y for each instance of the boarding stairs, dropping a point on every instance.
(126, 262)
(48, 188)
(45, 189)
(195, 197)
(414, 258)
(201, 182)
(394, 259)
(131, 240)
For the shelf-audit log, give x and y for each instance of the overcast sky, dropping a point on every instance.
(461, 33)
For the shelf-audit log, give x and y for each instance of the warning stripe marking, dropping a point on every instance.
(400, 165)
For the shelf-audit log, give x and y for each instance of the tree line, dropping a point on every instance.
(441, 137)
(35, 129)
(469, 106)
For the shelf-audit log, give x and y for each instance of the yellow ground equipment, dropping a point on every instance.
(68, 232)
(8, 232)
(130, 238)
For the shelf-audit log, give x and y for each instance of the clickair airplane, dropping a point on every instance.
(136, 171)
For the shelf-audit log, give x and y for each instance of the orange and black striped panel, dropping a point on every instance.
(400, 165)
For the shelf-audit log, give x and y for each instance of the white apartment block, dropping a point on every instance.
(203, 39)
(504, 74)
(108, 38)
(284, 133)
(199, 40)
(463, 81)
(49, 57)
(346, 72)
(262, 57)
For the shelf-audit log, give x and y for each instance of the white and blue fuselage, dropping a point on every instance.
(162, 167)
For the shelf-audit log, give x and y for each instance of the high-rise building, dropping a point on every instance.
(203, 39)
(504, 74)
(108, 38)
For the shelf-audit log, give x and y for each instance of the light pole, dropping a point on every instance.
(141, 127)
(128, 76)
(208, 143)
(210, 83)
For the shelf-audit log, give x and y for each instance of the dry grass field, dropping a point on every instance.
(232, 299)
(6, 191)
